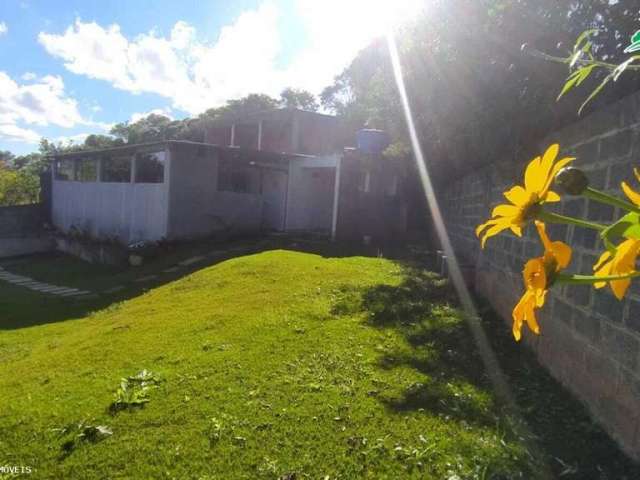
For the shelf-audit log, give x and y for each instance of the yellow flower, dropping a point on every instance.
(631, 194)
(538, 178)
(623, 261)
(538, 275)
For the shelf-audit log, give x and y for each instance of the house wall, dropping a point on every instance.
(378, 210)
(130, 212)
(590, 341)
(197, 208)
(311, 193)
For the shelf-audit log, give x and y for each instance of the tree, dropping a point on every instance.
(301, 99)
(474, 94)
(18, 186)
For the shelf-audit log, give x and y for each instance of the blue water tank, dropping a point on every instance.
(372, 141)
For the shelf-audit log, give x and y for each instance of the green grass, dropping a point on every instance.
(281, 365)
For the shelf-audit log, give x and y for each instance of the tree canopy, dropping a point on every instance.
(475, 94)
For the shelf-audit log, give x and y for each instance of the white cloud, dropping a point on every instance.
(13, 133)
(41, 103)
(157, 111)
(197, 75)
(28, 76)
(3, 28)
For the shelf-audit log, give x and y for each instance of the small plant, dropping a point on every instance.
(76, 433)
(145, 249)
(134, 391)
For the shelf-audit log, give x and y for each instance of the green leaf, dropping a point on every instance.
(575, 79)
(627, 227)
(635, 43)
(595, 92)
(583, 37)
(619, 70)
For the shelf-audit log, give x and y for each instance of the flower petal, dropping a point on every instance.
(504, 210)
(562, 253)
(518, 315)
(484, 225)
(547, 160)
(552, 197)
(530, 318)
(603, 258)
(630, 193)
(517, 195)
(516, 229)
(620, 287)
(542, 232)
(494, 230)
(533, 176)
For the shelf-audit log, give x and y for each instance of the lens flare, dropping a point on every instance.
(472, 316)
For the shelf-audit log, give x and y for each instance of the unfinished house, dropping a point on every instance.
(271, 171)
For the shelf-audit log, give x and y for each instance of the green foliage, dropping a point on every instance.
(134, 391)
(18, 187)
(634, 46)
(627, 227)
(584, 63)
(301, 99)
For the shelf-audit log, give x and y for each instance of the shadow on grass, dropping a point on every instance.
(440, 346)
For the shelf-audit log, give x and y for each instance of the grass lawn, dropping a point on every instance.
(280, 365)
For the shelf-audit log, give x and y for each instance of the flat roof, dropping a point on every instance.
(137, 146)
(231, 118)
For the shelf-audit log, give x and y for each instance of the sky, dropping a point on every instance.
(69, 68)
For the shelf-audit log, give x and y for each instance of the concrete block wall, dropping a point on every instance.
(22, 232)
(590, 341)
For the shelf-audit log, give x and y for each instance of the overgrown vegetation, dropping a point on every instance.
(288, 365)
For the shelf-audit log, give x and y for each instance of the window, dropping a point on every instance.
(65, 169)
(236, 178)
(87, 170)
(116, 169)
(150, 168)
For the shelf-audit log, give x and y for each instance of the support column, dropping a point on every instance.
(336, 199)
(233, 135)
(260, 135)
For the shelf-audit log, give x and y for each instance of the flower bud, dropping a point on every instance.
(572, 180)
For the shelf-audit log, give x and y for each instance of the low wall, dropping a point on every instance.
(22, 230)
(590, 341)
(108, 254)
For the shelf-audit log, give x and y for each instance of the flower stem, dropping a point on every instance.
(557, 218)
(602, 197)
(589, 279)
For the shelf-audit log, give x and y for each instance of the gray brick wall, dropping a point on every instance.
(590, 341)
(21, 220)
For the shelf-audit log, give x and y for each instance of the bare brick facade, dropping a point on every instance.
(590, 341)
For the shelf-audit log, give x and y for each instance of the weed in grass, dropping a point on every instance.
(134, 391)
(74, 434)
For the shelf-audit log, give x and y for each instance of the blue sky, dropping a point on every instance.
(72, 67)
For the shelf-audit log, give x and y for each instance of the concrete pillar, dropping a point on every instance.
(295, 135)
(336, 199)
(233, 135)
(260, 135)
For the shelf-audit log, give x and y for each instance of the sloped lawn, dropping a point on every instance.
(284, 365)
